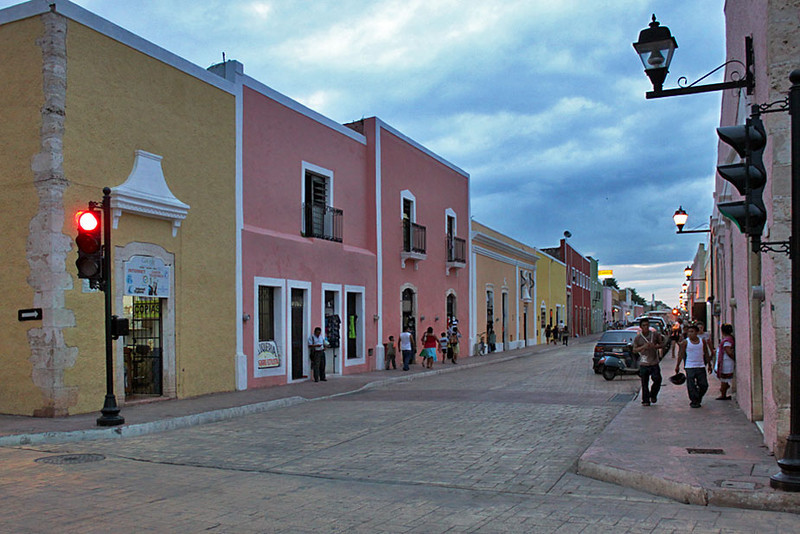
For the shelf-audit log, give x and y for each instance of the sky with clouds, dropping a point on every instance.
(541, 101)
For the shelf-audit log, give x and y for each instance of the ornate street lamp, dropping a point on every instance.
(680, 217)
(655, 47)
(688, 272)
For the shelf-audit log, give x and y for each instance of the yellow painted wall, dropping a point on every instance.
(551, 287)
(118, 101)
(501, 275)
(21, 100)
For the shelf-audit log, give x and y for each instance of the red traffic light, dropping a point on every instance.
(88, 220)
(90, 243)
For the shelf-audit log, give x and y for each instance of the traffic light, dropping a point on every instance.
(90, 245)
(748, 176)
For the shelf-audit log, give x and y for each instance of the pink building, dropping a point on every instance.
(354, 228)
(423, 235)
(751, 291)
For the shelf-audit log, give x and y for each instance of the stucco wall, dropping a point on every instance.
(21, 100)
(120, 100)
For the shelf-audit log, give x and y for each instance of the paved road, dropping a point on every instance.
(487, 450)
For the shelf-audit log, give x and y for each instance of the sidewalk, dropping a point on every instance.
(162, 415)
(709, 456)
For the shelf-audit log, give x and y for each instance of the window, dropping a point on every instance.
(266, 313)
(320, 218)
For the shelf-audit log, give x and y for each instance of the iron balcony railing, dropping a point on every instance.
(323, 222)
(456, 249)
(413, 237)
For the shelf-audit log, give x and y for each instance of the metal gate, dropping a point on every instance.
(143, 351)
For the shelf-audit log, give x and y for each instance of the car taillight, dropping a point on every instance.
(598, 349)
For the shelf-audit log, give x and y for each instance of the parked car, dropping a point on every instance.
(658, 322)
(617, 343)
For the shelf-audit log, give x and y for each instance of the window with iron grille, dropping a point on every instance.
(266, 313)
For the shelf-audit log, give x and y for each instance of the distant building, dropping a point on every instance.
(578, 287)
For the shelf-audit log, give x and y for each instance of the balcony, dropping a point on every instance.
(456, 253)
(414, 243)
(323, 222)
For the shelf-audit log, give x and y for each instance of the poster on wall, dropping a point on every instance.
(146, 276)
(268, 355)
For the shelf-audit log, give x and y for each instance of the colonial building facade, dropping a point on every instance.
(752, 291)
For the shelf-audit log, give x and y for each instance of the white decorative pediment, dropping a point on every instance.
(146, 193)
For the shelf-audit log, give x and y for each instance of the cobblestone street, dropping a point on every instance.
(488, 449)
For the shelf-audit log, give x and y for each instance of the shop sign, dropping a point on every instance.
(147, 276)
(268, 355)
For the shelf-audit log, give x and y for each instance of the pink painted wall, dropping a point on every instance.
(436, 187)
(276, 141)
(773, 28)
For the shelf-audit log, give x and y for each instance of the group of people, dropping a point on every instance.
(555, 333)
(446, 343)
(693, 348)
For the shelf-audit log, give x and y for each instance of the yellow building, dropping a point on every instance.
(551, 292)
(87, 105)
(504, 288)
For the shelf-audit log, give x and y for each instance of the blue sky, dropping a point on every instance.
(541, 101)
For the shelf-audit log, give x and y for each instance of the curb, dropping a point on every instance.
(152, 427)
(678, 491)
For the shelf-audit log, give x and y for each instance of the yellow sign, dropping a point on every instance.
(605, 273)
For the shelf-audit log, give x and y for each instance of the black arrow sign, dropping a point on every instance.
(31, 314)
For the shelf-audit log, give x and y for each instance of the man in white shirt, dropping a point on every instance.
(316, 347)
(407, 347)
(698, 357)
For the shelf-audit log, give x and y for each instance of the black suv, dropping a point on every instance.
(617, 343)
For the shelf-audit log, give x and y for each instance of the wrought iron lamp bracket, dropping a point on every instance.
(737, 80)
(784, 247)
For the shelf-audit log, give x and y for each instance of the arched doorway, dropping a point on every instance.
(409, 310)
(452, 310)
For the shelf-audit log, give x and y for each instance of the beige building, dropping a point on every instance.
(87, 105)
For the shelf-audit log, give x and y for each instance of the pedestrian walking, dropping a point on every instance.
(726, 361)
(705, 336)
(444, 344)
(565, 335)
(646, 344)
(491, 339)
(697, 358)
(675, 339)
(391, 354)
(548, 331)
(454, 342)
(316, 347)
(407, 347)
(429, 344)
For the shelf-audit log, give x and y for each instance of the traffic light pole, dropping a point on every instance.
(789, 477)
(110, 411)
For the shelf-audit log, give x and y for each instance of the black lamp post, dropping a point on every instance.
(789, 477)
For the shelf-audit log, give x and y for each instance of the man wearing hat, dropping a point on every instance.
(647, 344)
